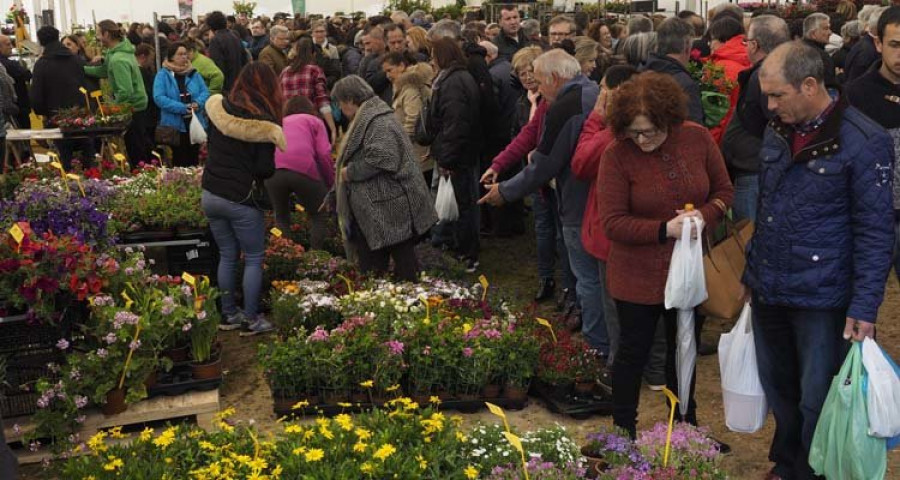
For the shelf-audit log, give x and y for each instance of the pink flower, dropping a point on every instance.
(467, 352)
(62, 344)
(395, 347)
(319, 335)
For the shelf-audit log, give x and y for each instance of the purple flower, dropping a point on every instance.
(125, 317)
(80, 401)
(396, 347)
(129, 271)
(102, 353)
(467, 352)
(43, 402)
(111, 338)
(135, 344)
(187, 327)
(80, 419)
(201, 315)
(75, 374)
(62, 344)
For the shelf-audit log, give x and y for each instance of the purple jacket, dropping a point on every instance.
(308, 149)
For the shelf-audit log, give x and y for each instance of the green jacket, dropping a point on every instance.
(211, 74)
(121, 67)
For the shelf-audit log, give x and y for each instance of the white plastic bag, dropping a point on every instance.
(198, 134)
(742, 393)
(445, 204)
(685, 289)
(883, 396)
(686, 284)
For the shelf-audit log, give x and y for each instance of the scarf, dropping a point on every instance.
(187, 69)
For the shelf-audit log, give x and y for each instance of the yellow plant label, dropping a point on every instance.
(189, 279)
(119, 157)
(57, 166)
(544, 322)
(299, 208)
(128, 301)
(496, 410)
(276, 232)
(483, 281)
(155, 154)
(97, 94)
(17, 233)
(514, 441)
(82, 90)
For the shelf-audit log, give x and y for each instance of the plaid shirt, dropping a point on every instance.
(309, 81)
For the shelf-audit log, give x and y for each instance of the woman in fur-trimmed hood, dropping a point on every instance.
(244, 130)
(381, 198)
(412, 90)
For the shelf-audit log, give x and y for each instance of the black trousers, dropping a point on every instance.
(638, 324)
(310, 193)
(185, 154)
(136, 144)
(406, 265)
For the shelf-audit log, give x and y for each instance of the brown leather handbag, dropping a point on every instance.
(169, 136)
(723, 265)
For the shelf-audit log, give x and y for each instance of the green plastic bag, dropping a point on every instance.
(841, 447)
(715, 107)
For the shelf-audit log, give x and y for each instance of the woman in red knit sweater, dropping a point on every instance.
(658, 163)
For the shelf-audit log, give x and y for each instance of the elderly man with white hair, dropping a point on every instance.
(571, 96)
(864, 54)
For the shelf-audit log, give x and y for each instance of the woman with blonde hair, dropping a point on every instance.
(417, 42)
(586, 53)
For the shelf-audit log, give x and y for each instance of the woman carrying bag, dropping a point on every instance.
(243, 133)
(180, 93)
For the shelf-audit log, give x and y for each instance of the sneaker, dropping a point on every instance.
(656, 388)
(545, 291)
(472, 265)
(234, 321)
(261, 325)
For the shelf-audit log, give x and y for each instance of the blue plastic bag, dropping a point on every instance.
(891, 443)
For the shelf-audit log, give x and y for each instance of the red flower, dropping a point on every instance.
(696, 55)
(92, 172)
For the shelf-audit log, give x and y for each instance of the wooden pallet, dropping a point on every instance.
(199, 406)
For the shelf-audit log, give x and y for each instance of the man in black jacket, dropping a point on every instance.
(877, 94)
(743, 138)
(22, 76)
(370, 67)
(816, 33)
(225, 49)
(511, 38)
(864, 53)
(58, 75)
(673, 52)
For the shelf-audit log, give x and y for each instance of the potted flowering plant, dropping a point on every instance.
(79, 119)
(283, 260)
(609, 448)
(519, 360)
(203, 327)
(692, 454)
(715, 90)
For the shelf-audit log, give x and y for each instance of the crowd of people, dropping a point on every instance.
(602, 126)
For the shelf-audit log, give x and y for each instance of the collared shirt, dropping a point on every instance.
(309, 82)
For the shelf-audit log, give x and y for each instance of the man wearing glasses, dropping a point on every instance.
(560, 28)
(743, 138)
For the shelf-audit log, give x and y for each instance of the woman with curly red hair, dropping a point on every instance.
(658, 164)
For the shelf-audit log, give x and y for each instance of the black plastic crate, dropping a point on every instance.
(23, 370)
(199, 259)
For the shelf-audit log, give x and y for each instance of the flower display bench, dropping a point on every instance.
(201, 407)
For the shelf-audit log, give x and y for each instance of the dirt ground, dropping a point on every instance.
(510, 264)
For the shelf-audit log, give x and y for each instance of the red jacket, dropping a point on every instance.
(732, 56)
(641, 191)
(524, 143)
(594, 139)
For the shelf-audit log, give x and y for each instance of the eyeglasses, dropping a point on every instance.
(648, 134)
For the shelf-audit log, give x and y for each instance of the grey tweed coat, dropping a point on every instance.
(387, 195)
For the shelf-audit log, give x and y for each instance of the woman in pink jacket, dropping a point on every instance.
(305, 169)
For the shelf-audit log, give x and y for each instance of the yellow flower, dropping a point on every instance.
(344, 421)
(116, 432)
(257, 464)
(344, 404)
(363, 434)
(392, 387)
(367, 384)
(314, 455)
(384, 452)
(423, 464)
(166, 439)
(226, 413)
(146, 434)
(300, 404)
(366, 468)
(299, 451)
(293, 428)
(471, 473)
(207, 446)
(326, 433)
(114, 463)
(359, 447)
(459, 436)
(277, 471)
(435, 400)
(466, 328)
(97, 443)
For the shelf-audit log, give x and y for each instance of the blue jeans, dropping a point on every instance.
(746, 193)
(237, 228)
(550, 244)
(798, 352)
(589, 289)
(897, 244)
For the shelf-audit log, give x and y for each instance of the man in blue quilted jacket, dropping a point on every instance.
(820, 257)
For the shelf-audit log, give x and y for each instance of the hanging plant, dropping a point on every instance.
(242, 7)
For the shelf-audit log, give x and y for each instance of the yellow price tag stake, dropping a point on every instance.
(484, 286)
(276, 232)
(128, 301)
(17, 233)
(155, 154)
(77, 179)
(673, 401)
(299, 208)
(97, 94)
(57, 166)
(189, 279)
(544, 322)
(517, 444)
(496, 410)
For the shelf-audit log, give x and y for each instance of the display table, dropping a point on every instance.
(15, 136)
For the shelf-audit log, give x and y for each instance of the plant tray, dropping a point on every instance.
(147, 236)
(73, 131)
(568, 403)
(17, 335)
(463, 406)
(179, 381)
